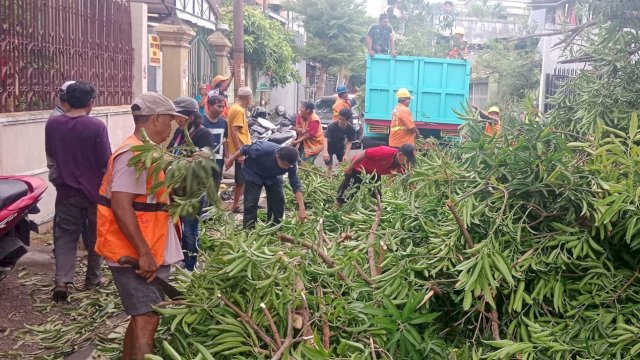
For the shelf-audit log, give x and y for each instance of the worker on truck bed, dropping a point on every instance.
(342, 102)
(377, 161)
(458, 49)
(381, 38)
(403, 130)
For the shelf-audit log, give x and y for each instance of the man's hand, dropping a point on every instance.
(302, 215)
(345, 158)
(228, 163)
(325, 156)
(348, 170)
(148, 267)
(393, 54)
(240, 160)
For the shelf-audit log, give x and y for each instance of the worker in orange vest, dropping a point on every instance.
(342, 102)
(403, 129)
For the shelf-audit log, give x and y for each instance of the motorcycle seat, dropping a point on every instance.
(11, 191)
(280, 138)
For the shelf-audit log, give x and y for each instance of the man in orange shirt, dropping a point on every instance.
(403, 129)
(310, 132)
(342, 102)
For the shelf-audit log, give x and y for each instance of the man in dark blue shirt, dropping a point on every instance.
(264, 165)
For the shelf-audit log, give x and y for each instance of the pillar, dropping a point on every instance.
(174, 43)
(221, 47)
(139, 42)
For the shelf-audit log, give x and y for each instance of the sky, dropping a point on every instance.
(375, 7)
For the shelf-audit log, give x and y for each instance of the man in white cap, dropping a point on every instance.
(62, 107)
(238, 137)
(133, 223)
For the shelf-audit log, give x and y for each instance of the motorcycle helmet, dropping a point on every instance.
(279, 110)
(260, 112)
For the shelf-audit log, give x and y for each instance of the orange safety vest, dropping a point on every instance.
(339, 105)
(315, 144)
(150, 210)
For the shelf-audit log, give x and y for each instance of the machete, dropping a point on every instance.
(166, 288)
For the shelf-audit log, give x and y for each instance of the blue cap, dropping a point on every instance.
(342, 89)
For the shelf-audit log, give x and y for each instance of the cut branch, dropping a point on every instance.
(272, 325)
(570, 30)
(456, 216)
(325, 258)
(633, 278)
(249, 321)
(371, 252)
(495, 328)
(364, 275)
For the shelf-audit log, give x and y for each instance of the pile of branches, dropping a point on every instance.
(522, 245)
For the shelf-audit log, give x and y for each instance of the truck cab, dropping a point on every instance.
(437, 86)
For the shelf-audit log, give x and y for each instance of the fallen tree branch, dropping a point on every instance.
(495, 329)
(326, 330)
(570, 30)
(371, 252)
(624, 288)
(456, 216)
(362, 274)
(325, 258)
(272, 325)
(249, 321)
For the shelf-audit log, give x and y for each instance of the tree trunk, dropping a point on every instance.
(322, 81)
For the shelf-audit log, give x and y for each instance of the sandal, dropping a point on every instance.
(60, 293)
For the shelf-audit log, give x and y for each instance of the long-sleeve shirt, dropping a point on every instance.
(261, 167)
(79, 149)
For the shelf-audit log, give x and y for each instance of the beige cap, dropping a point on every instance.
(151, 103)
(245, 91)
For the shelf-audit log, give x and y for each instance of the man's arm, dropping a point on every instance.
(369, 42)
(325, 149)
(125, 216)
(105, 149)
(202, 100)
(235, 137)
(347, 148)
(392, 44)
(356, 161)
(297, 190)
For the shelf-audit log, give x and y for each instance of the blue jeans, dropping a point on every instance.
(190, 233)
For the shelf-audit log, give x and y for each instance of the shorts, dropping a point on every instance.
(238, 176)
(138, 297)
(339, 153)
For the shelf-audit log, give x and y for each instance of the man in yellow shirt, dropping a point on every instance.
(238, 137)
(403, 129)
(342, 102)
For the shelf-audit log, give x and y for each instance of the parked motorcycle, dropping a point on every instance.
(19, 196)
(280, 131)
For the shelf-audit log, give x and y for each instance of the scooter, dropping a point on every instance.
(279, 132)
(260, 128)
(19, 196)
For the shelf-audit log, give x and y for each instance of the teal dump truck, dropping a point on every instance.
(437, 86)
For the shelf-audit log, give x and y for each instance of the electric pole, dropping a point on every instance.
(238, 44)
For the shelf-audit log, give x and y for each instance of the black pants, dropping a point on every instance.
(71, 214)
(352, 182)
(275, 203)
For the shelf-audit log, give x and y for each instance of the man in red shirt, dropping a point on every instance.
(381, 160)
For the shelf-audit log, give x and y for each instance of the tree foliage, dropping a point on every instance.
(334, 30)
(268, 47)
(516, 71)
(606, 89)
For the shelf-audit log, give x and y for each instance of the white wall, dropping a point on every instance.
(291, 95)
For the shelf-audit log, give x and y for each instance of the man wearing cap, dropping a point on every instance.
(377, 161)
(78, 147)
(201, 138)
(62, 107)
(238, 137)
(342, 102)
(403, 129)
(492, 119)
(310, 133)
(220, 84)
(133, 223)
(264, 165)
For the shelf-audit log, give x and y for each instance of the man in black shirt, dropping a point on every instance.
(381, 38)
(334, 139)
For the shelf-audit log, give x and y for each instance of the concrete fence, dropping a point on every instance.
(22, 147)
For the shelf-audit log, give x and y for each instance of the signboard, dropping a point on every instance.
(154, 50)
(264, 82)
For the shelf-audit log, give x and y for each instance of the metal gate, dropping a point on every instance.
(557, 81)
(202, 61)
